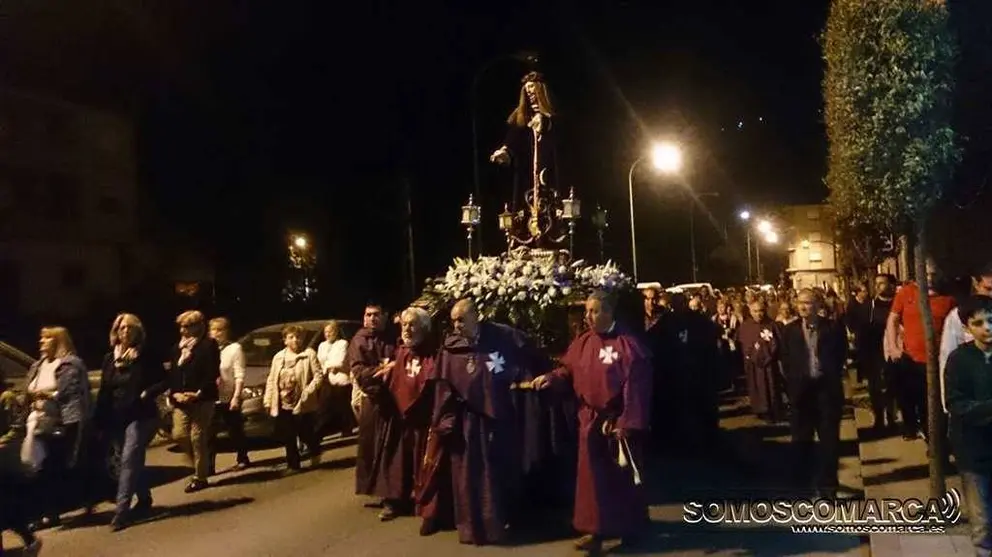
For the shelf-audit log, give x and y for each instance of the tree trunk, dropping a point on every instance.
(935, 410)
(903, 264)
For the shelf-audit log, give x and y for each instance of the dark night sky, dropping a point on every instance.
(310, 115)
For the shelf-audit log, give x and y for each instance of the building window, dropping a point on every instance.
(815, 257)
(74, 276)
(815, 237)
(813, 214)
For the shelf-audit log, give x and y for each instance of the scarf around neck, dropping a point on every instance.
(124, 357)
(186, 349)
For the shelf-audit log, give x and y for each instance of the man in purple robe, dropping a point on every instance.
(475, 421)
(611, 375)
(409, 385)
(758, 340)
(368, 359)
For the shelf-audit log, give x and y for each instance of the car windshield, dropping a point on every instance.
(261, 346)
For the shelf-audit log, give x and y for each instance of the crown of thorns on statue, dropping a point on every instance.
(535, 77)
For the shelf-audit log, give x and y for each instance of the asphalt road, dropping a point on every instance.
(260, 513)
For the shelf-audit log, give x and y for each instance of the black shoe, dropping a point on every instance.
(387, 514)
(196, 485)
(142, 507)
(118, 523)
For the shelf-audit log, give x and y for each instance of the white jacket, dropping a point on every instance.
(308, 373)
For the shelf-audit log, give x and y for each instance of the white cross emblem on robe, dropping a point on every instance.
(495, 363)
(608, 355)
(413, 367)
(766, 335)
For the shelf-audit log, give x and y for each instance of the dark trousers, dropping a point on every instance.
(55, 478)
(880, 375)
(15, 513)
(817, 406)
(292, 427)
(912, 395)
(234, 423)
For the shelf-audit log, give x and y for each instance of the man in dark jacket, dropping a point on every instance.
(814, 352)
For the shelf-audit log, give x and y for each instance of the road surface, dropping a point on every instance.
(259, 513)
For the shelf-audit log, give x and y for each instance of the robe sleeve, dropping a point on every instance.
(360, 354)
(445, 402)
(637, 389)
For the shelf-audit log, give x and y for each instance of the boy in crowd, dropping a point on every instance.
(969, 402)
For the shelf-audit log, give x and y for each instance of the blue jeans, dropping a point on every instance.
(978, 498)
(133, 479)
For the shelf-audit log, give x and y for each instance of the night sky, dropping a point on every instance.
(258, 118)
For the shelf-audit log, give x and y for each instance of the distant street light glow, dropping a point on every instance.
(764, 227)
(771, 237)
(300, 242)
(745, 215)
(666, 157)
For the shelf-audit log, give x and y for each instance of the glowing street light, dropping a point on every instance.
(300, 242)
(666, 157)
(745, 215)
(771, 237)
(764, 227)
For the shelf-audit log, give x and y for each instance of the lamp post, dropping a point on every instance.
(506, 225)
(692, 230)
(471, 216)
(302, 257)
(601, 224)
(745, 217)
(666, 158)
(571, 210)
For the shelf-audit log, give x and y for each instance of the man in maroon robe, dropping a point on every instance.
(758, 340)
(610, 373)
(474, 421)
(410, 385)
(368, 360)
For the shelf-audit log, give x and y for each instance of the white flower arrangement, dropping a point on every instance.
(520, 284)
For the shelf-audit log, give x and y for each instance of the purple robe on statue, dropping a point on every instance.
(611, 375)
(759, 344)
(476, 422)
(365, 352)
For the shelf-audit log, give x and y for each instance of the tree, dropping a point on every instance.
(888, 89)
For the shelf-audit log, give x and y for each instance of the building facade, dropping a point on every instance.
(810, 236)
(69, 209)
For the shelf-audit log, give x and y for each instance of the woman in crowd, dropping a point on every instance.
(58, 387)
(292, 397)
(193, 378)
(126, 412)
(332, 354)
(232, 381)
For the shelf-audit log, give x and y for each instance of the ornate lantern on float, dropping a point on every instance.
(571, 210)
(471, 216)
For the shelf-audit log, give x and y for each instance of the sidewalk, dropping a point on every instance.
(895, 468)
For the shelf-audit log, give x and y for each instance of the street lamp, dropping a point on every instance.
(571, 210)
(601, 224)
(771, 237)
(665, 158)
(764, 226)
(471, 216)
(300, 242)
(745, 217)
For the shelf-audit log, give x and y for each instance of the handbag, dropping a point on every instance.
(49, 422)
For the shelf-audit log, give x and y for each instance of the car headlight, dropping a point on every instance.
(252, 392)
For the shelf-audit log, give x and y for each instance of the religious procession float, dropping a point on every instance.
(535, 285)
